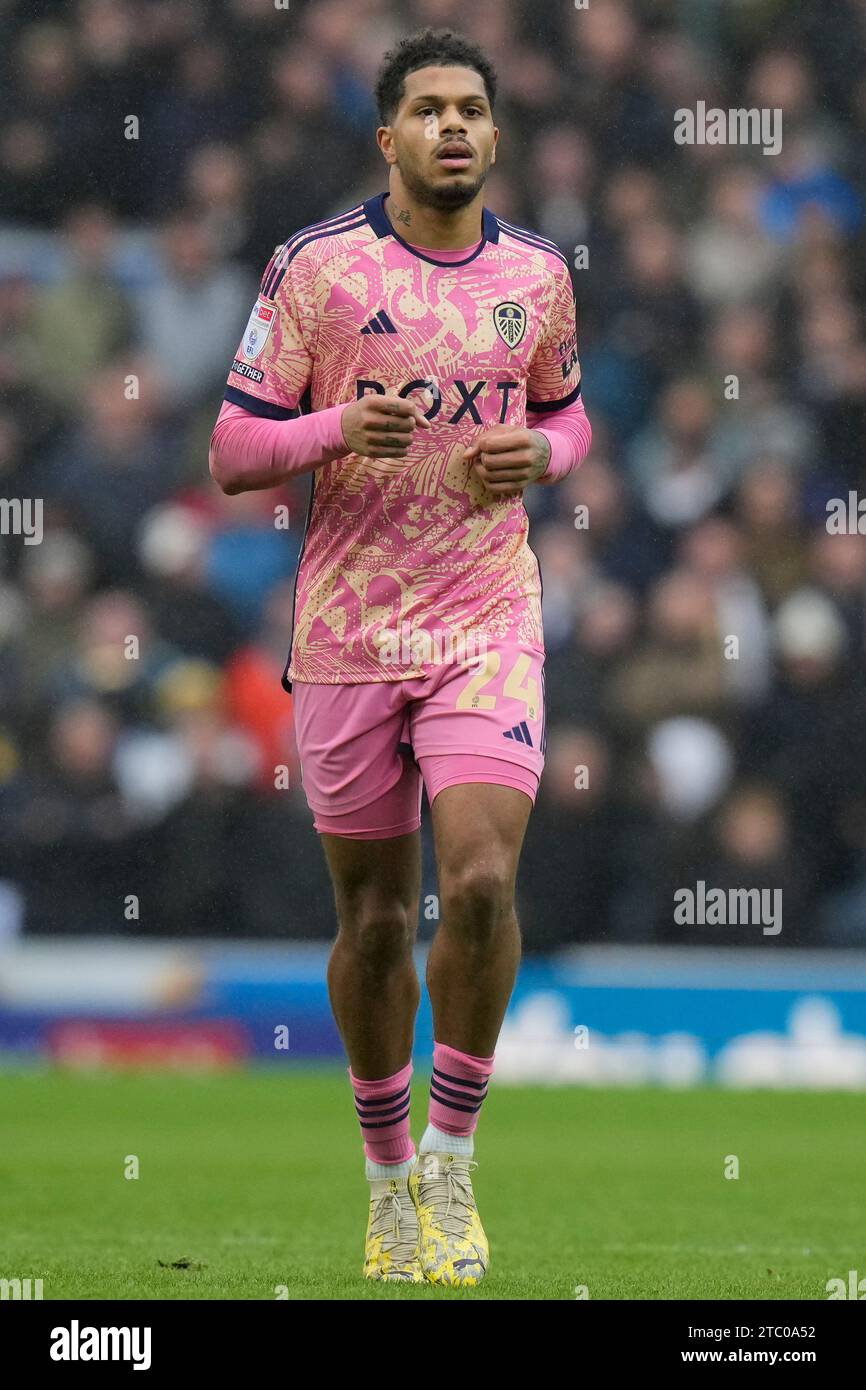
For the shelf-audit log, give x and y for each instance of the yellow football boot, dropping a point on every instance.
(452, 1245)
(391, 1249)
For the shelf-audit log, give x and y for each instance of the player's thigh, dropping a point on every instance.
(377, 883)
(478, 829)
(365, 794)
(374, 857)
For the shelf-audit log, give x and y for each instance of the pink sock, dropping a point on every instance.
(457, 1089)
(383, 1109)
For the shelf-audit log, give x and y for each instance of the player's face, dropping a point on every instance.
(442, 137)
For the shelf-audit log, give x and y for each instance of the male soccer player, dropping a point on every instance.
(418, 356)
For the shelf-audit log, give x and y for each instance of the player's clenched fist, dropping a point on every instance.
(507, 458)
(382, 426)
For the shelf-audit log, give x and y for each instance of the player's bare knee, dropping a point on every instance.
(478, 898)
(377, 929)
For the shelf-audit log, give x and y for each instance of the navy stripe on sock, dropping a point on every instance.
(385, 1124)
(377, 1114)
(452, 1105)
(383, 1100)
(460, 1081)
(458, 1095)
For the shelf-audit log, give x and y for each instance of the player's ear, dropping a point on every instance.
(385, 140)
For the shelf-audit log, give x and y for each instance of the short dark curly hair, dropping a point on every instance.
(428, 48)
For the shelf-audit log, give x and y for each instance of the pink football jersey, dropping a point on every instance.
(348, 307)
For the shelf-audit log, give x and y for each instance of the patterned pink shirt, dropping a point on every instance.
(348, 307)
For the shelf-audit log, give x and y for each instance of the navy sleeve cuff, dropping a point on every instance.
(540, 406)
(255, 406)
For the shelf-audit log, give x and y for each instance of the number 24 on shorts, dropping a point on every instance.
(517, 684)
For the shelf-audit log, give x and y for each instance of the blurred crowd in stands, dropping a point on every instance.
(706, 632)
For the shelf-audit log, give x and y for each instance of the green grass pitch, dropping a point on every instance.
(252, 1181)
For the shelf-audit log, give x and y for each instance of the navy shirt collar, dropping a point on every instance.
(374, 211)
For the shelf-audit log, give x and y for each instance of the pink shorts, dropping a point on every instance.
(367, 750)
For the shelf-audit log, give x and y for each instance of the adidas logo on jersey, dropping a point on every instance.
(379, 323)
(521, 733)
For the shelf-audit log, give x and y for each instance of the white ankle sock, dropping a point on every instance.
(436, 1140)
(375, 1171)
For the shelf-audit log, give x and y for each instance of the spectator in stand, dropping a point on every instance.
(200, 301)
(85, 319)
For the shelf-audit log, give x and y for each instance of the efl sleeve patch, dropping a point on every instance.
(258, 329)
(273, 365)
